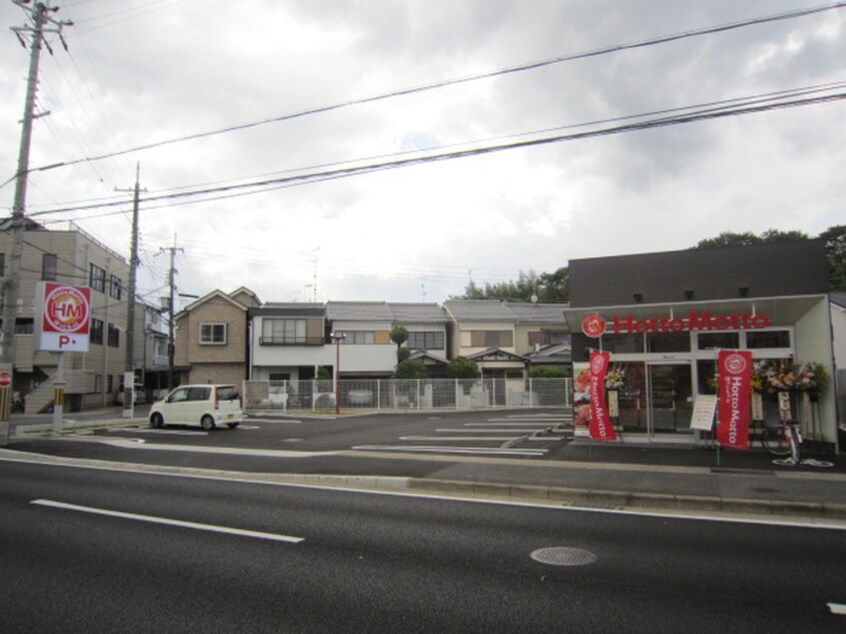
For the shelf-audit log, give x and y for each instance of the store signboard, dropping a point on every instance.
(595, 325)
(62, 317)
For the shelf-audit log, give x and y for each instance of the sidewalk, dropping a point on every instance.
(676, 478)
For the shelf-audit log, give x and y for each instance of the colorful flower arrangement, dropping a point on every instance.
(808, 377)
(615, 378)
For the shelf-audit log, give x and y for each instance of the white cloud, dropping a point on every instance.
(152, 71)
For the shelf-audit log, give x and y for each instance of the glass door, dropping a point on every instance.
(669, 397)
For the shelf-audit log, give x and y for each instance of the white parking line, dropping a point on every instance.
(837, 608)
(495, 451)
(169, 522)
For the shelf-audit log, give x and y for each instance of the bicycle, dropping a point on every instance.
(784, 439)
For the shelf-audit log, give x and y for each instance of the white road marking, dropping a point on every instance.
(170, 522)
(169, 432)
(457, 438)
(837, 608)
(139, 443)
(522, 430)
(497, 451)
(540, 424)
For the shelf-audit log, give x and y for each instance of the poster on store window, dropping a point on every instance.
(734, 376)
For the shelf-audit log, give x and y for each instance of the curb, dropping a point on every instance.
(568, 497)
(627, 500)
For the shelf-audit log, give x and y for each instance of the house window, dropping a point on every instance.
(547, 337)
(114, 336)
(491, 339)
(96, 333)
(115, 287)
(283, 331)
(49, 267)
(358, 337)
(213, 334)
(97, 278)
(425, 340)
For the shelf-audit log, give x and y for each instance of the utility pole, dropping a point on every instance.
(133, 272)
(40, 18)
(170, 332)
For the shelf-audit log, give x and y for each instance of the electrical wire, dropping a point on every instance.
(456, 81)
(754, 105)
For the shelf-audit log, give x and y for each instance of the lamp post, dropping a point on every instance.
(337, 337)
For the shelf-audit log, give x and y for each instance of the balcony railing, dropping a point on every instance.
(291, 341)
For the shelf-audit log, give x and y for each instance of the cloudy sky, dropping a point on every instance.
(141, 74)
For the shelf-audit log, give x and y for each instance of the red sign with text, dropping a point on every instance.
(63, 317)
(600, 422)
(734, 377)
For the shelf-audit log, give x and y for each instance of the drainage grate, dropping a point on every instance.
(564, 556)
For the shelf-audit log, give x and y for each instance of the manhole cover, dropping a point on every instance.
(563, 556)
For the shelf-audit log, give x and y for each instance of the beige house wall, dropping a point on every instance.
(215, 363)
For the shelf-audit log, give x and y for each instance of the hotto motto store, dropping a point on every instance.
(664, 317)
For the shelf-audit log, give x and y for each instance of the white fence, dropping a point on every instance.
(405, 395)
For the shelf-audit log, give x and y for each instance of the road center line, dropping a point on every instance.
(169, 522)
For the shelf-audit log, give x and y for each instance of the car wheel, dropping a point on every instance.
(157, 421)
(232, 425)
(207, 422)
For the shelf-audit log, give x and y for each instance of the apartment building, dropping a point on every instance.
(69, 256)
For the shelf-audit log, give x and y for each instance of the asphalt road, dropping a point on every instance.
(101, 551)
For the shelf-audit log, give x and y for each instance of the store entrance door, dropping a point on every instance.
(669, 398)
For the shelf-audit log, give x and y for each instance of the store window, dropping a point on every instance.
(668, 342)
(718, 340)
(622, 344)
(768, 339)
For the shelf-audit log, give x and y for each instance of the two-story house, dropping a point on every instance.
(289, 342)
(72, 257)
(211, 340)
(505, 338)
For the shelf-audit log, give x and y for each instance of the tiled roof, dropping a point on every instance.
(479, 310)
(359, 311)
(418, 313)
(496, 310)
(537, 313)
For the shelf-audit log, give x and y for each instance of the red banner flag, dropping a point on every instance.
(734, 372)
(600, 423)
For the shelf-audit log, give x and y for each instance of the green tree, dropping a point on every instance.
(399, 335)
(410, 370)
(463, 368)
(835, 251)
(546, 287)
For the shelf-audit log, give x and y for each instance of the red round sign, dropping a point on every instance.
(593, 325)
(5, 379)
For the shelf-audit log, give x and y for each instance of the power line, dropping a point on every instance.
(461, 80)
(750, 105)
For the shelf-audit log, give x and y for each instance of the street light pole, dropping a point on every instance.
(337, 338)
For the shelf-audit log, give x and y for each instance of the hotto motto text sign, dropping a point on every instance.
(62, 317)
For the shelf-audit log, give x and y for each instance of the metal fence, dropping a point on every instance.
(406, 395)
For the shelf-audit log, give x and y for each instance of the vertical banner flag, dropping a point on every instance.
(734, 377)
(600, 422)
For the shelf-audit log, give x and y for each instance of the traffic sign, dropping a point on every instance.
(5, 379)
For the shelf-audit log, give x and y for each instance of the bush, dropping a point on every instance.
(410, 370)
(549, 372)
(462, 368)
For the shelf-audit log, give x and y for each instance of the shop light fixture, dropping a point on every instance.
(744, 291)
(688, 294)
(638, 297)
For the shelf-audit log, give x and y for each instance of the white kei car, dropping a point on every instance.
(209, 406)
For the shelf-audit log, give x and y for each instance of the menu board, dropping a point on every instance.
(704, 409)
